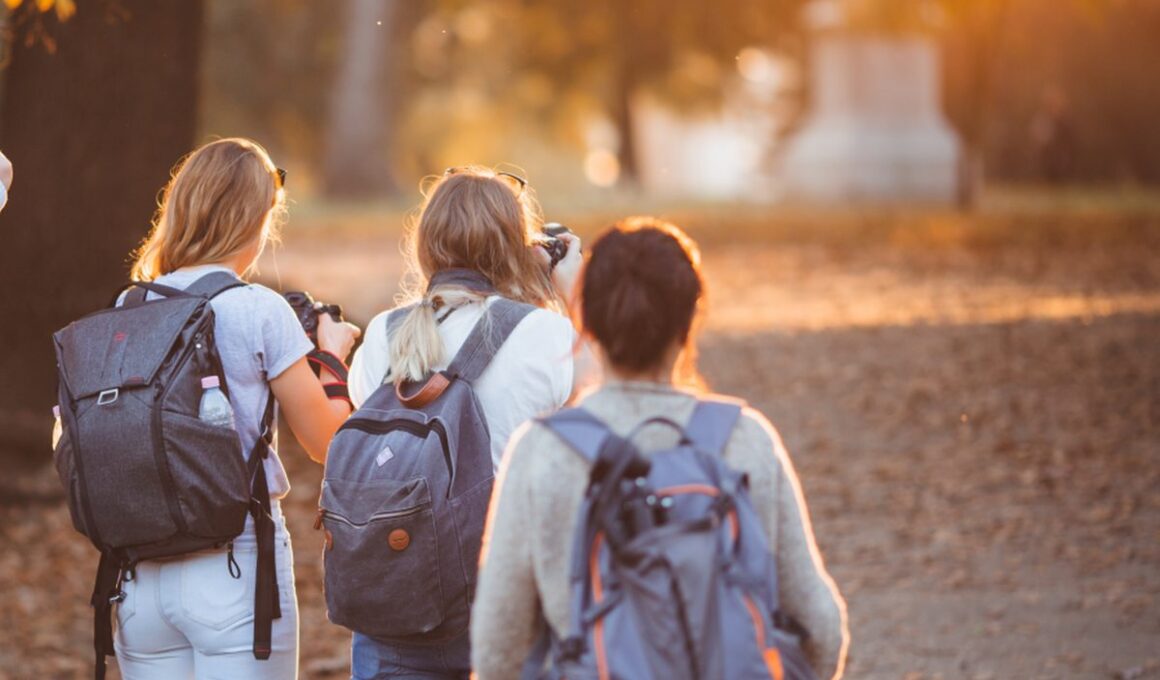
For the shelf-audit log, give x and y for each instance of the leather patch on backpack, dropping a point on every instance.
(399, 539)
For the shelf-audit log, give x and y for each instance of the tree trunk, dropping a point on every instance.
(626, 153)
(359, 131)
(986, 42)
(92, 131)
(625, 81)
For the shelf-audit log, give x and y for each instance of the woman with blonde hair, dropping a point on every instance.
(193, 616)
(474, 243)
(639, 298)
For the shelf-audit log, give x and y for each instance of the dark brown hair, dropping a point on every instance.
(640, 292)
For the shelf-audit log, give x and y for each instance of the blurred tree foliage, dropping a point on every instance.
(680, 51)
(266, 70)
(464, 73)
(1039, 89)
(1073, 94)
(63, 8)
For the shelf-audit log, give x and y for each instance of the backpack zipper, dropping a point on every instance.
(411, 427)
(373, 518)
(167, 481)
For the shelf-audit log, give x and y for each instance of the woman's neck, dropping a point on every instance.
(659, 376)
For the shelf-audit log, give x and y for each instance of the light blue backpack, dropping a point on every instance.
(672, 576)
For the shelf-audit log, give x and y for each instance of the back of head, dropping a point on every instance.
(473, 218)
(222, 198)
(640, 293)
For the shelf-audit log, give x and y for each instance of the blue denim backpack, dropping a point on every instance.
(671, 574)
(405, 494)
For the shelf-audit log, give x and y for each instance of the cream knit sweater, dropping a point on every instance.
(524, 575)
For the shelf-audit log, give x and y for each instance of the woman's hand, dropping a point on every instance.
(336, 337)
(567, 271)
(5, 170)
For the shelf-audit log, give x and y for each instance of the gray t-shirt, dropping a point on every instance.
(258, 337)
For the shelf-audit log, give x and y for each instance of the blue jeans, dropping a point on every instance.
(374, 660)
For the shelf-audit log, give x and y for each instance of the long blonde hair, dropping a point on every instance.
(472, 218)
(219, 200)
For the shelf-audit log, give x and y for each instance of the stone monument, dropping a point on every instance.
(875, 131)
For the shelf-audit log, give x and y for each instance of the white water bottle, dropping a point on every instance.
(215, 408)
(57, 428)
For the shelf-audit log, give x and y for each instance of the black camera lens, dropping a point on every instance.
(557, 248)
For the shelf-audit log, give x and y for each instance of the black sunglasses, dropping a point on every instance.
(517, 183)
(281, 178)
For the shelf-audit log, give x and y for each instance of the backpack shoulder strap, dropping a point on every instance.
(485, 339)
(214, 283)
(135, 292)
(396, 317)
(133, 296)
(582, 431)
(712, 423)
(208, 286)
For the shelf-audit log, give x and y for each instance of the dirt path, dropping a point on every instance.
(978, 436)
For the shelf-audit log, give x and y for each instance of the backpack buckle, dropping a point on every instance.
(571, 647)
(107, 397)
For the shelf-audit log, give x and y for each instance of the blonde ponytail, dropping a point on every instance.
(416, 347)
(471, 219)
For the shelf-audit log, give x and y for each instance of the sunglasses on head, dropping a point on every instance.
(281, 178)
(517, 183)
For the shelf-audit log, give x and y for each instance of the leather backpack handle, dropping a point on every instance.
(435, 386)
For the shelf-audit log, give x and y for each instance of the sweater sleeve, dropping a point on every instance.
(505, 620)
(806, 590)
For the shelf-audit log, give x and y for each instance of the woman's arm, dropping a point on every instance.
(312, 416)
(807, 592)
(505, 613)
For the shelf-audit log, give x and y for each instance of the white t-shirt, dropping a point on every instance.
(530, 375)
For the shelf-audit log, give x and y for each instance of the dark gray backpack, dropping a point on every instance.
(144, 477)
(672, 578)
(405, 494)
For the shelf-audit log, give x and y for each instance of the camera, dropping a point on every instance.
(308, 310)
(550, 242)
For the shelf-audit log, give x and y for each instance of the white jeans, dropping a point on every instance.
(188, 618)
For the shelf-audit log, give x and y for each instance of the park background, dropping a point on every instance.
(969, 386)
